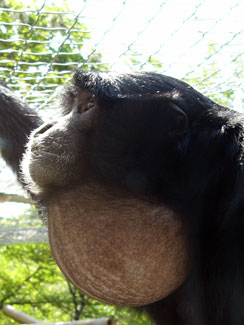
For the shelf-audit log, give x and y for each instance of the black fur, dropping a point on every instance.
(205, 184)
(17, 120)
(197, 171)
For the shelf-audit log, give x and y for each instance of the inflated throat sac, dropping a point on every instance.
(122, 251)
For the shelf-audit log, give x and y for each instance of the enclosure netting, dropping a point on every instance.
(43, 42)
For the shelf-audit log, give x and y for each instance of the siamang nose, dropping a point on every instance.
(42, 129)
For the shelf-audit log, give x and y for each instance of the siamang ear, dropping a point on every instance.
(178, 120)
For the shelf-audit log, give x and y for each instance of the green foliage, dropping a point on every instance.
(208, 79)
(31, 281)
(136, 61)
(155, 63)
(42, 47)
(30, 218)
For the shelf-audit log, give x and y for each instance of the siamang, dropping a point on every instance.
(140, 181)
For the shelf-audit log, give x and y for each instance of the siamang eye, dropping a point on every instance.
(90, 104)
(81, 107)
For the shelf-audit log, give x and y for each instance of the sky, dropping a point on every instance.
(163, 26)
(166, 27)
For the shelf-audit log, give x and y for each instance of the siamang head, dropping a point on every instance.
(102, 171)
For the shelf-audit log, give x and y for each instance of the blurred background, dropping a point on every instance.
(41, 45)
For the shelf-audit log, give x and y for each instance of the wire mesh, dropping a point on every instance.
(192, 40)
(43, 42)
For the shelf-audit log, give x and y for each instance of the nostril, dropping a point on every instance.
(42, 129)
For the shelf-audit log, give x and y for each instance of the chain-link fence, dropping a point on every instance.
(43, 42)
(202, 41)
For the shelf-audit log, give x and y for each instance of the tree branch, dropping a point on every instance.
(14, 198)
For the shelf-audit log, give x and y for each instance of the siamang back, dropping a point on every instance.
(173, 145)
